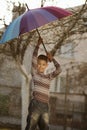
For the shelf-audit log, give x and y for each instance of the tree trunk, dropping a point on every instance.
(25, 91)
(25, 100)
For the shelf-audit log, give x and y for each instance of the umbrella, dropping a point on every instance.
(32, 19)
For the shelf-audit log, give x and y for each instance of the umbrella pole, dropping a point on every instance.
(39, 34)
(42, 41)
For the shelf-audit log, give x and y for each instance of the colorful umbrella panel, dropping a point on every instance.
(33, 19)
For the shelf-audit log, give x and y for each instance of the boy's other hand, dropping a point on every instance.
(40, 40)
(50, 57)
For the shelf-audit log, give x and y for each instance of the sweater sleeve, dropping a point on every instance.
(56, 71)
(34, 59)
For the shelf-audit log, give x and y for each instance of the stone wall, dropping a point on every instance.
(69, 112)
(10, 91)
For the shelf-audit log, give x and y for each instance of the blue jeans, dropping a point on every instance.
(37, 116)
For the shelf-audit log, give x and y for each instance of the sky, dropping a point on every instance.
(33, 4)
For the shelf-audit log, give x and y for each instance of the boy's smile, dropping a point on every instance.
(41, 65)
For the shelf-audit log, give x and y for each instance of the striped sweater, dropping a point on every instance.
(42, 81)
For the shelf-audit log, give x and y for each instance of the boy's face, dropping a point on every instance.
(41, 65)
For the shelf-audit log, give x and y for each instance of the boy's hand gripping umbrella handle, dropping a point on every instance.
(41, 41)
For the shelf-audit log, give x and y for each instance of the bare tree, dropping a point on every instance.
(42, 2)
(18, 10)
(69, 26)
(74, 26)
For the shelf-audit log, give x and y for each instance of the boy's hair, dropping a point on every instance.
(43, 57)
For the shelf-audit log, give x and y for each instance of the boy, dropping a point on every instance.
(38, 108)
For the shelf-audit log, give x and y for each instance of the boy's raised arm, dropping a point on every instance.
(35, 53)
(56, 64)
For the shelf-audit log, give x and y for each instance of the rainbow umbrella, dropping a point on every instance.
(32, 19)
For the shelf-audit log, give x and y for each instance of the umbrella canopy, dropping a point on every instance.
(33, 19)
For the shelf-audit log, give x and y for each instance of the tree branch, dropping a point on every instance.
(67, 32)
(23, 70)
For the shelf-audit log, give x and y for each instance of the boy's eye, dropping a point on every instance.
(43, 64)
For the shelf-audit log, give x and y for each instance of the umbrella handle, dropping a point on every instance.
(42, 41)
